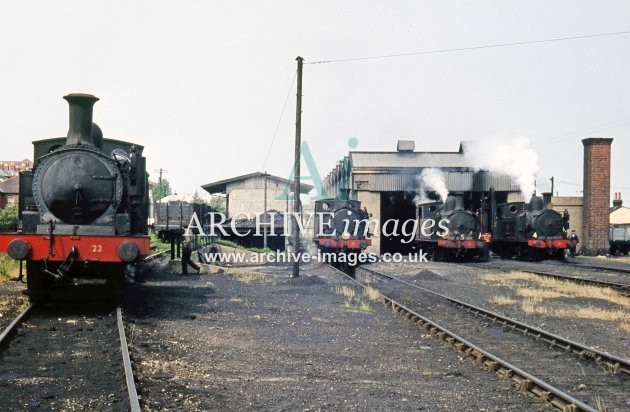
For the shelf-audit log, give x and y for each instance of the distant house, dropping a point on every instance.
(10, 168)
(9, 191)
(248, 193)
(619, 214)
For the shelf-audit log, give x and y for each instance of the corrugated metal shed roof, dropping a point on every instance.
(455, 181)
(398, 160)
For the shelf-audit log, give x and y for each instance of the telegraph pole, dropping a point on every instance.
(296, 169)
(265, 214)
(160, 178)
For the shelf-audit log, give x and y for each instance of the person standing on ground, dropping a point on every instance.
(186, 256)
(573, 241)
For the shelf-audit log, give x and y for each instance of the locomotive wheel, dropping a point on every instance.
(37, 282)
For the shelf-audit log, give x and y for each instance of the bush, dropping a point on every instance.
(9, 218)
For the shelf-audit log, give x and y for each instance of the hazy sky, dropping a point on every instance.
(201, 84)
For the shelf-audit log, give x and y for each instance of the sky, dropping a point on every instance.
(202, 84)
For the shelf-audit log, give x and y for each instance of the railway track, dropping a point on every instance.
(623, 288)
(563, 373)
(64, 360)
(618, 267)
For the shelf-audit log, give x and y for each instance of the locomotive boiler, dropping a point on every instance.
(83, 208)
(448, 231)
(529, 230)
(340, 228)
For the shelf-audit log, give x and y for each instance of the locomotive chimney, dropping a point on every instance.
(80, 131)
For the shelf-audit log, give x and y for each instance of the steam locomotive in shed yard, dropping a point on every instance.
(526, 230)
(340, 228)
(83, 208)
(447, 231)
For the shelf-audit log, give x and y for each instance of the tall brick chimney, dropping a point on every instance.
(596, 202)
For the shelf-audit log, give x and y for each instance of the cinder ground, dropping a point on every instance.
(601, 321)
(234, 341)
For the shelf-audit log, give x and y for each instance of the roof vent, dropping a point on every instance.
(406, 146)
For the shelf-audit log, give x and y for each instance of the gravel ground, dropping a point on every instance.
(64, 358)
(240, 340)
(11, 301)
(464, 283)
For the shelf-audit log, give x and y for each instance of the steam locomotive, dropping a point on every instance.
(340, 228)
(83, 208)
(447, 231)
(527, 230)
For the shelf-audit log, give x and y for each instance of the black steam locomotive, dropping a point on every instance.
(83, 208)
(528, 230)
(340, 228)
(447, 231)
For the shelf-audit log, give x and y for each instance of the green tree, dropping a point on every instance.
(9, 218)
(161, 190)
(217, 203)
(197, 198)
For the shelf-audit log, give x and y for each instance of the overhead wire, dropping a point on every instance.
(570, 135)
(458, 49)
(273, 139)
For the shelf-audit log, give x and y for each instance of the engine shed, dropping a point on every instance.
(390, 185)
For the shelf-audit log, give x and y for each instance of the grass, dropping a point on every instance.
(372, 294)
(354, 303)
(249, 277)
(229, 243)
(621, 259)
(599, 404)
(501, 300)
(235, 245)
(538, 292)
(345, 290)
(157, 245)
(8, 267)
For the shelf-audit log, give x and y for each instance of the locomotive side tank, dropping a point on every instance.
(83, 208)
(340, 228)
(448, 231)
(529, 231)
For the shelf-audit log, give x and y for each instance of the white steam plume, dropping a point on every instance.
(431, 180)
(509, 156)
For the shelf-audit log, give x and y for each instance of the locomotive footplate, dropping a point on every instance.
(549, 243)
(22, 246)
(461, 244)
(341, 243)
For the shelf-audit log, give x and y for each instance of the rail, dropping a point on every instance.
(582, 351)
(131, 385)
(523, 380)
(8, 331)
